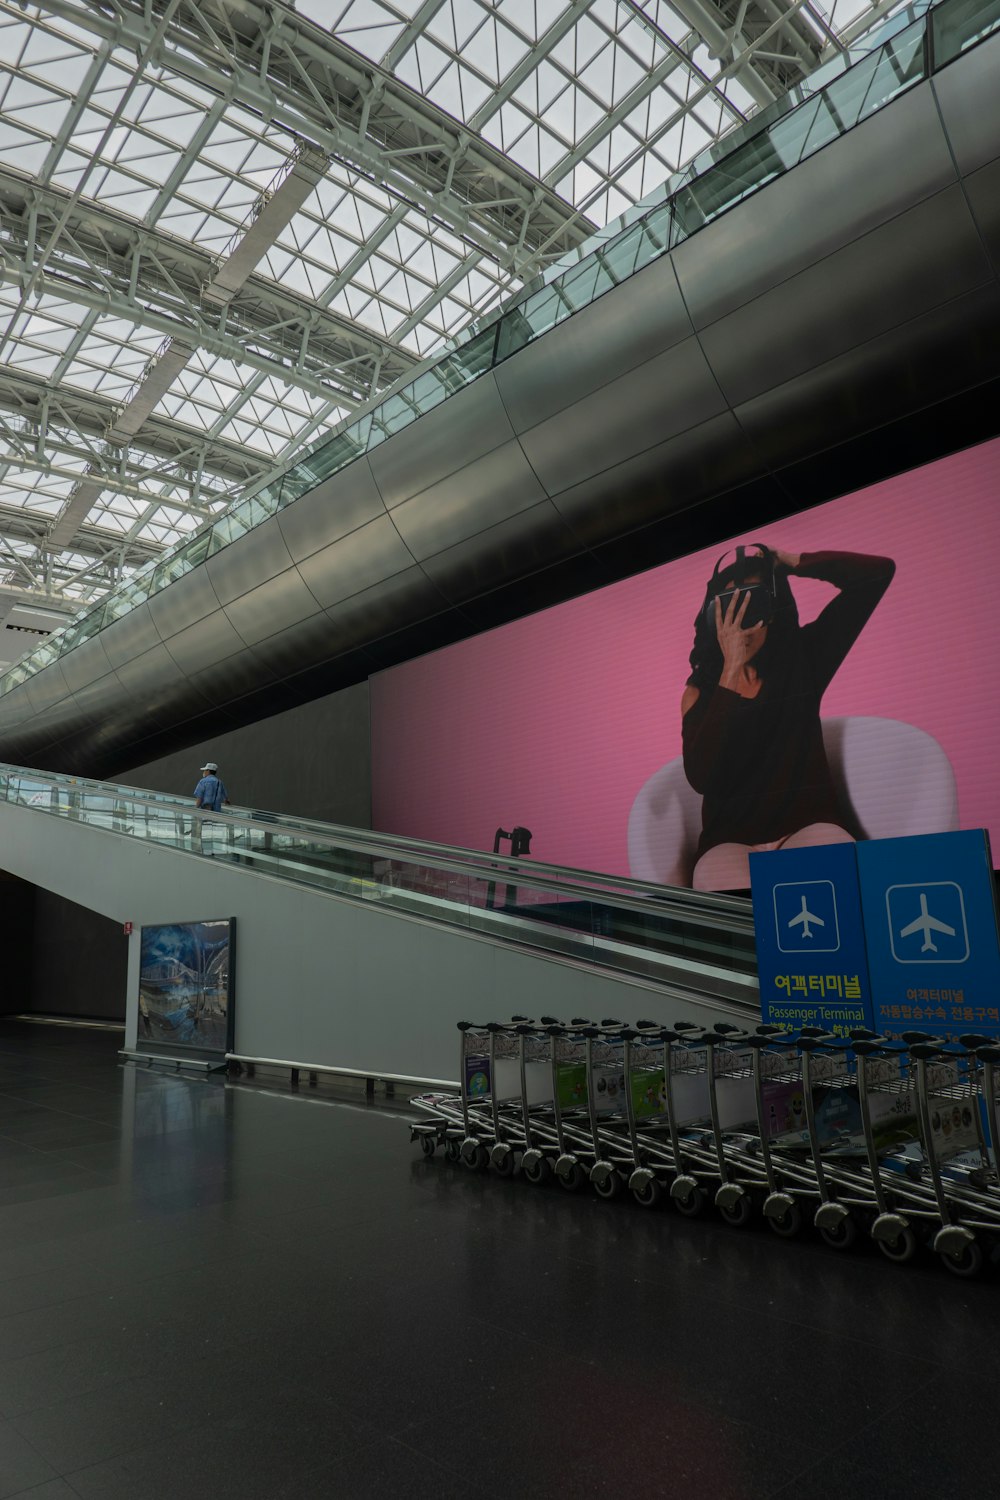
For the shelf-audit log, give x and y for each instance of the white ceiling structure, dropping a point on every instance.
(226, 225)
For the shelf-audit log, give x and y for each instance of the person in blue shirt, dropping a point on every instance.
(210, 793)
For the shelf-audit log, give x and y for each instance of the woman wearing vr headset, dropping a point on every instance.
(753, 742)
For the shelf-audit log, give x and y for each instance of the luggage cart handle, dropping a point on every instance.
(825, 1039)
(972, 1041)
(990, 1053)
(872, 1046)
(924, 1051)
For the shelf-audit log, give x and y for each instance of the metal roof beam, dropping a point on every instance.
(41, 419)
(293, 72)
(157, 280)
(274, 211)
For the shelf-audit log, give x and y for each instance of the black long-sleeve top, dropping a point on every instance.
(759, 762)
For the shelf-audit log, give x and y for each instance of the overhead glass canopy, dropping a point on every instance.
(227, 227)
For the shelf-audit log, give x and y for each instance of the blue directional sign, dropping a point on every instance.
(811, 959)
(931, 927)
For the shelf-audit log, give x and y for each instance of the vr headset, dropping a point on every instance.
(763, 599)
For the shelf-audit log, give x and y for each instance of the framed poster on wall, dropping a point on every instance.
(186, 987)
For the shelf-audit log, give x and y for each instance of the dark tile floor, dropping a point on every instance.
(213, 1292)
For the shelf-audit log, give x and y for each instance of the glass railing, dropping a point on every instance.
(696, 942)
(768, 145)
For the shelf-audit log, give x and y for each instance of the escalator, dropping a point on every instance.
(146, 856)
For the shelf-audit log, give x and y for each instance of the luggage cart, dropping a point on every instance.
(887, 1097)
(646, 1064)
(689, 1116)
(948, 1100)
(780, 1100)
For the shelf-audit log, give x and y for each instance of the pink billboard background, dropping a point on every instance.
(556, 721)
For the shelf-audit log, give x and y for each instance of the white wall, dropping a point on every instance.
(318, 978)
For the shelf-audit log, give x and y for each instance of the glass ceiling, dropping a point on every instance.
(129, 175)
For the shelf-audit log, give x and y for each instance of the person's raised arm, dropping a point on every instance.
(861, 580)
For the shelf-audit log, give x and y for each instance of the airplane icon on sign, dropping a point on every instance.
(925, 924)
(806, 920)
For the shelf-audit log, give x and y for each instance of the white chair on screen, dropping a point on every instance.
(892, 779)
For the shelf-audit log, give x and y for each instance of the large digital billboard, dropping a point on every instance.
(823, 678)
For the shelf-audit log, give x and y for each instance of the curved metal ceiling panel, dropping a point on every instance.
(130, 636)
(571, 464)
(522, 544)
(245, 564)
(272, 607)
(667, 395)
(85, 664)
(983, 192)
(708, 458)
(357, 561)
(969, 101)
(916, 261)
(645, 316)
(190, 598)
(907, 369)
(337, 506)
(503, 483)
(897, 159)
(427, 451)
(378, 610)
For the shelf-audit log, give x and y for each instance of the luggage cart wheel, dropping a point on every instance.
(734, 1205)
(569, 1174)
(502, 1159)
(783, 1215)
(474, 1155)
(959, 1251)
(605, 1180)
(644, 1188)
(453, 1151)
(901, 1249)
(428, 1145)
(535, 1167)
(688, 1197)
(836, 1227)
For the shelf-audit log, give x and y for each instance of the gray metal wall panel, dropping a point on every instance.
(295, 650)
(968, 92)
(148, 682)
(881, 168)
(259, 555)
(983, 191)
(917, 261)
(187, 600)
(365, 557)
(534, 539)
(390, 605)
(209, 640)
(663, 397)
(426, 451)
(708, 458)
(334, 508)
(17, 710)
(130, 636)
(219, 681)
(45, 689)
(272, 607)
(631, 325)
(483, 493)
(95, 702)
(85, 663)
(902, 370)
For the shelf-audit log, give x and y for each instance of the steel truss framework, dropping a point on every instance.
(226, 224)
